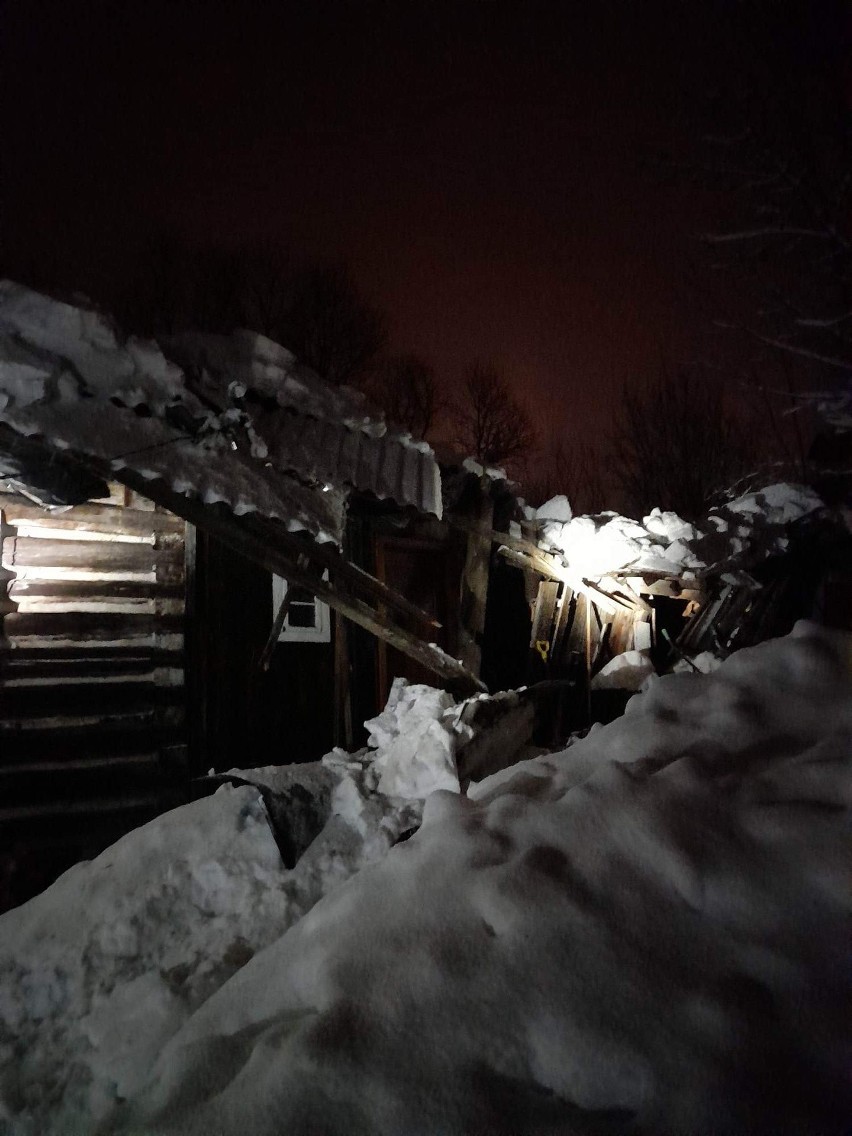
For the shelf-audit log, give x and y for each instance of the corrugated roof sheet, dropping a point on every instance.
(292, 454)
(325, 433)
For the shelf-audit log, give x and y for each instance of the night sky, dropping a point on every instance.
(481, 167)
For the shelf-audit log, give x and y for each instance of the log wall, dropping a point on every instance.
(92, 715)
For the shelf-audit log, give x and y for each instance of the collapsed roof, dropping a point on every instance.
(228, 432)
(238, 421)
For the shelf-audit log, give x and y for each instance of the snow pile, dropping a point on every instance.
(627, 671)
(98, 972)
(426, 742)
(746, 529)
(415, 742)
(646, 933)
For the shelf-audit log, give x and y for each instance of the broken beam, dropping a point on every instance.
(268, 549)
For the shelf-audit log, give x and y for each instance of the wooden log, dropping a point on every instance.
(106, 556)
(566, 609)
(40, 653)
(62, 669)
(474, 584)
(106, 519)
(118, 589)
(18, 821)
(29, 783)
(86, 700)
(68, 738)
(88, 626)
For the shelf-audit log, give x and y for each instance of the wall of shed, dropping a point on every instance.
(244, 716)
(92, 715)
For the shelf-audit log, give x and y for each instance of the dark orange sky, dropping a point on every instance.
(478, 165)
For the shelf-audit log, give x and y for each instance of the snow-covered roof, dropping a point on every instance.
(329, 434)
(67, 378)
(739, 533)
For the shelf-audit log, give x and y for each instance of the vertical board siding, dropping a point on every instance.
(92, 715)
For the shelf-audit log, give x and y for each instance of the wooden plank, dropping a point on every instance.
(87, 832)
(13, 818)
(107, 699)
(40, 653)
(87, 626)
(164, 677)
(271, 547)
(348, 577)
(94, 589)
(621, 633)
(474, 584)
(545, 609)
(52, 605)
(33, 530)
(566, 611)
(59, 670)
(105, 556)
(30, 783)
(122, 734)
(106, 519)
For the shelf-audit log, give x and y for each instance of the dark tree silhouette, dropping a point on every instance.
(316, 311)
(573, 468)
(677, 444)
(330, 327)
(491, 424)
(404, 386)
(778, 139)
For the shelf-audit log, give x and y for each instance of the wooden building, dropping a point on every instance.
(92, 700)
(267, 557)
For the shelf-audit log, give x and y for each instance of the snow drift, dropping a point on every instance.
(645, 933)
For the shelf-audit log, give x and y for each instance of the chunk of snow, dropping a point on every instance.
(416, 746)
(556, 509)
(752, 525)
(627, 671)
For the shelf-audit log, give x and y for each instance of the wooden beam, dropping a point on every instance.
(474, 585)
(328, 558)
(271, 546)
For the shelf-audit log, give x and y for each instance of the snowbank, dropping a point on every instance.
(99, 971)
(747, 529)
(646, 933)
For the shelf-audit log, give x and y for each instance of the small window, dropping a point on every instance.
(307, 619)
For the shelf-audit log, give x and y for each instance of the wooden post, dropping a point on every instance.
(343, 734)
(588, 662)
(474, 584)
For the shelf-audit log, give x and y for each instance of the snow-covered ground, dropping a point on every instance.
(648, 932)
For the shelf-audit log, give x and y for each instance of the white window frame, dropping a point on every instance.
(319, 633)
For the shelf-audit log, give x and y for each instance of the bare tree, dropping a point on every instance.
(491, 424)
(779, 140)
(404, 386)
(678, 444)
(572, 468)
(316, 311)
(330, 327)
